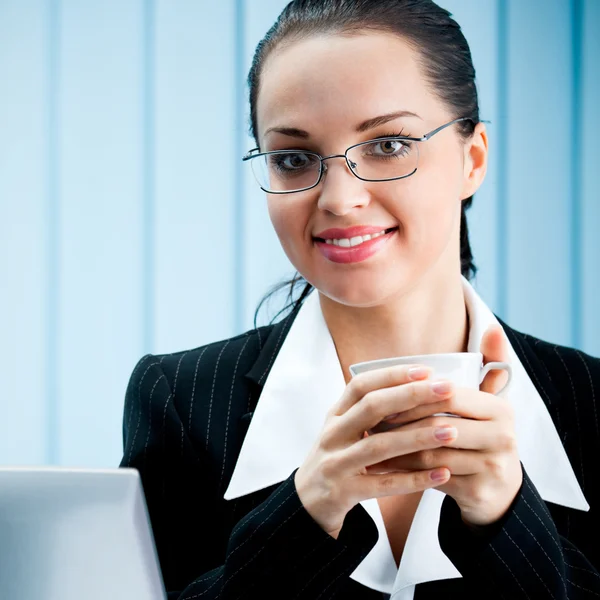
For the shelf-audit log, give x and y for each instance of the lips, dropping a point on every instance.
(350, 232)
(354, 254)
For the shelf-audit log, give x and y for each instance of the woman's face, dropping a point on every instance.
(326, 87)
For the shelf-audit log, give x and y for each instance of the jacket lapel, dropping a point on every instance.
(538, 373)
(259, 371)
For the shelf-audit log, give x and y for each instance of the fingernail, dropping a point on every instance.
(445, 433)
(438, 475)
(441, 387)
(418, 372)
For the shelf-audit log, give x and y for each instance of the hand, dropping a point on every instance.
(482, 454)
(334, 476)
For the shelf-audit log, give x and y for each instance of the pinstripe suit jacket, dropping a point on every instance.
(185, 418)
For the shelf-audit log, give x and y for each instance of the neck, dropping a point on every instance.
(430, 318)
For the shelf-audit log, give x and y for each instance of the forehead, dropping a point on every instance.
(332, 82)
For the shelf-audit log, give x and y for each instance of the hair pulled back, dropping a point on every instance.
(445, 59)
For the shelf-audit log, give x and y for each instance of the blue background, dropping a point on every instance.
(128, 225)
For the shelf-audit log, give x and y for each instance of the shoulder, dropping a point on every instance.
(171, 389)
(570, 369)
(226, 366)
(225, 357)
(223, 368)
(558, 357)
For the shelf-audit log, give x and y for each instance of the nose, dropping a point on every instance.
(340, 190)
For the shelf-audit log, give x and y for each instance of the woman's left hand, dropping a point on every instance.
(482, 456)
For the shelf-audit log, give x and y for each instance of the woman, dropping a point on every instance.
(370, 148)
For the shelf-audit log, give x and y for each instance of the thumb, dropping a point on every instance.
(494, 348)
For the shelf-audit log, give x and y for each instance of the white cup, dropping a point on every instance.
(464, 369)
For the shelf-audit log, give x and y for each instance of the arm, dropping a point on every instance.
(522, 556)
(277, 546)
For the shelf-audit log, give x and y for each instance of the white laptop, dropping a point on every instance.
(74, 534)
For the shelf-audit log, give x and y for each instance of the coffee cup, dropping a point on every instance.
(464, 369)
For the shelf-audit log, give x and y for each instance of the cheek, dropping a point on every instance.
(427, 208)
(275, 212)
(420, 203)
(439, 186)
(289, 219)
(435, 220)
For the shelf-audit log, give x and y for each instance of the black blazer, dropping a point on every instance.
(185, 418)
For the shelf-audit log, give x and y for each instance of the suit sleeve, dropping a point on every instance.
(276, 550)
(521, 557)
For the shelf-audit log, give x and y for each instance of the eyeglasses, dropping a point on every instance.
(380, 159)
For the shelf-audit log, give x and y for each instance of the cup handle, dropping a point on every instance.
(492, 366)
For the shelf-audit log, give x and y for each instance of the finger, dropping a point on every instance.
(494, 347)
(383, 446)
(465, 402)
(393, 484)
(379, 404)
(363, 383)
(470, 435)
(462, 487)
(457, 461)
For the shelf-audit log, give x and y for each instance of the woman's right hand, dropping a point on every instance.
(334, 476)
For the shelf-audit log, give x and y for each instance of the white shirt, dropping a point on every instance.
(306, 379)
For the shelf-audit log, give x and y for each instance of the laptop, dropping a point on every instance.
(69, 534)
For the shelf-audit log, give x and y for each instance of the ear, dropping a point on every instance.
(475, 161)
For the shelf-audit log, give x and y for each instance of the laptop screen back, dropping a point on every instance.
(68, 534)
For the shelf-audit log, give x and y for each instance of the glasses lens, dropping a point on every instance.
(286, 171)
(384, 159)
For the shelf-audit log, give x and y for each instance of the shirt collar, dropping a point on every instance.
(306, 379)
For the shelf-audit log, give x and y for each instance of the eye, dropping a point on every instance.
(387, 148)
(292, 162)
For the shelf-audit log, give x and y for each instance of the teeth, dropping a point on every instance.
(355, 241)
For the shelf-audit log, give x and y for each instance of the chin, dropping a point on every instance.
(356, 295)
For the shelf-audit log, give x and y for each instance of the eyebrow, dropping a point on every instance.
(364, 126)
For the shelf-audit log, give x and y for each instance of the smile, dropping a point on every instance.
(358, 240)
(356, 249)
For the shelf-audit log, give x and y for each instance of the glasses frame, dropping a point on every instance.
(323, 168)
